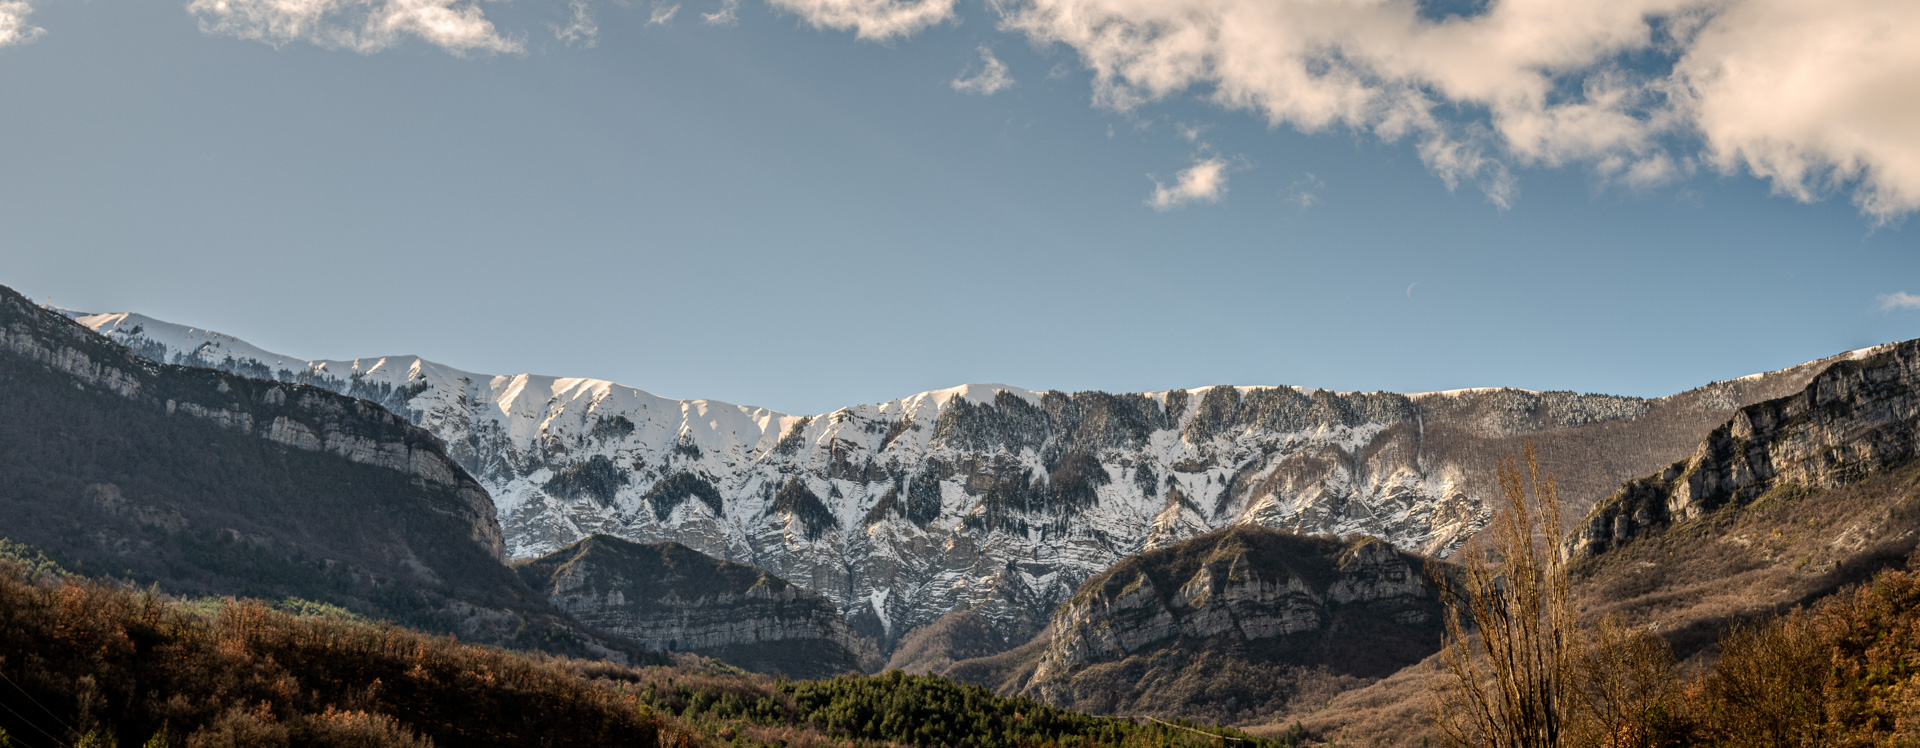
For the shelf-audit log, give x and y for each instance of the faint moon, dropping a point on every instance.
(1410, 288)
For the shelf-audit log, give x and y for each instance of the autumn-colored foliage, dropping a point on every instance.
(95, 663)
(86, 660)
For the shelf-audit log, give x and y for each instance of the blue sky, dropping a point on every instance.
(802, 209)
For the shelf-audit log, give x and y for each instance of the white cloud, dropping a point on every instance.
(1898, 300)
(1815, 98)
(1380, 67)
(14, 28)
(991, 79)
(364, 26)
(870, 19)
(1812, 97)
(1204, 181)
(727, 15)
(582, 30)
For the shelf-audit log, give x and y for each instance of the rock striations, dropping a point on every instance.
(209, 483)
(668, 597)
(1856, 417)
(1232, 623)
(985, 498)
(1785, 503)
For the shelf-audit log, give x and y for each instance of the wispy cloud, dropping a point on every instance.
(662, 14)
(582, 30)
(1898, 300)
(875, 20)
(1204, 181)
(727, 15)
(364, 26)
(1305, 191)
(14, 28)
(992, 78)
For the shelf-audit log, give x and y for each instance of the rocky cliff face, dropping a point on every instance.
(1237, 620)
(668, 597)
(1785, 503)
(1858, 416)
(987, 498)
(306, 418)
(209, 483)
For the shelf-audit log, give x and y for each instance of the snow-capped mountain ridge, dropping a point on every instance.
(982, 496)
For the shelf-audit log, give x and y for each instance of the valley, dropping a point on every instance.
(1252, 556)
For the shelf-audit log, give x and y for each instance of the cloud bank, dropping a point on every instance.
(1818, 99)
(14, 28)
(364, 26)
(1815, 98)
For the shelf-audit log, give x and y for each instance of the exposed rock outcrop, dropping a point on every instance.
(1787, 502)
(668, 597)
(210, 483)
(1856, 417)
(986, 498)
(1237, 620)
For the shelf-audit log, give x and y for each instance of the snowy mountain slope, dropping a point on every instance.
(984, 496)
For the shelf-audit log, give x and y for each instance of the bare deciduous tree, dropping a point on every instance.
(1514, 682)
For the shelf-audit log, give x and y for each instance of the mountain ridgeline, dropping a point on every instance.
(209, 483)
(1788, 502)
(1858, 417)
(984, 498)
(1224, 553)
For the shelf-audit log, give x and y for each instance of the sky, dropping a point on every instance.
(807, 204)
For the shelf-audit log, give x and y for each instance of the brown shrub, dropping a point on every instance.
(94, 659)
(1844, 673)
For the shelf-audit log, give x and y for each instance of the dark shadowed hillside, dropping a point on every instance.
(209, 483)
(668, 597)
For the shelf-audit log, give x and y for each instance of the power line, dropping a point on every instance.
(36, 702)
(32, 724)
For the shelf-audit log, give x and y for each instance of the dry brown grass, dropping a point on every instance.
(1790, 547)
(1395, 712)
